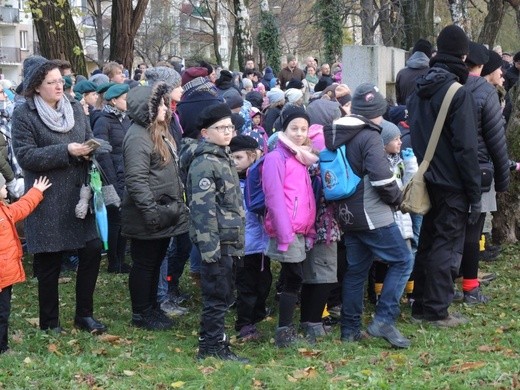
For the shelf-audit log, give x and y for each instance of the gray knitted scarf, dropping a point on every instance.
(60, 119)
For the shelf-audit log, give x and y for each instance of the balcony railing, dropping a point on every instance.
(9, 15)
(10, 55)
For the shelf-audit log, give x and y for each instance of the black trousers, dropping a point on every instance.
(253, 283)
(216, 281)
(439, 254)
(5, 311)
(116, 242)
(178, 254)
(291, 276)
(335, 294)
(147, 256)
(470, 257)
(49, 266)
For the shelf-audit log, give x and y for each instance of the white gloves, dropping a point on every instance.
(16, 187)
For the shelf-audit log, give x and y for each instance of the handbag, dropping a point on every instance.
(486, 177)
(415, 194)
(110, 195)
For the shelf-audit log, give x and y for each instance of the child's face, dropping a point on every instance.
(297, 131)
(394, 146)
(3, 192)
(219, 133)
(256, 120)
(242, 160)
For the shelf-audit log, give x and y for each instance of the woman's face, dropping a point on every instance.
(311, 71)
(176, 94)
(119, 102)
(51, 89)
(297, 131)
(161, 111)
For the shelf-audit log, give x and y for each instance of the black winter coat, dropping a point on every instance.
(492, 148)
(153, 203)
(109, 128)
(454, 165)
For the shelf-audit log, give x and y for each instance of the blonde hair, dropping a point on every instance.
(110, 68)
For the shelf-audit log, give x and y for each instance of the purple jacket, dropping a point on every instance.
(291, 207)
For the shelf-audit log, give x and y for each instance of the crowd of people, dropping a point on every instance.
(180, 148)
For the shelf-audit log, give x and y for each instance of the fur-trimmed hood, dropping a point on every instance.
(143, 103)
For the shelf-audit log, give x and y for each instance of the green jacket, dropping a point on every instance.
(216, 205)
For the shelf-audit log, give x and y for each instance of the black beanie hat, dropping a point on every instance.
(243, 142)
(494, 62)
(238, 121)
(294, 83)
(213, 114)
(453, 40)
(323, 83)
(367, 101)
(423, 46)
(291, 112)
(478, 54)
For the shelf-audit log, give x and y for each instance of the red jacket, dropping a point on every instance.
(11, 269)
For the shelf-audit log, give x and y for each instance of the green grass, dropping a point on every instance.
(483, 354)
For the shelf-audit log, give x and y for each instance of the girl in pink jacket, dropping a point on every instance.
(291, 211)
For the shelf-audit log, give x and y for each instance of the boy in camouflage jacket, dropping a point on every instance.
(217, 225)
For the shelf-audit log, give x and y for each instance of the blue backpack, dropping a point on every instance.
(253, 192)
(338, 179)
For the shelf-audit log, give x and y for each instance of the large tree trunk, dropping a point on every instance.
(243, 33)
(57, 33)
(492, 22)
(367, 16)
(125, 23)
(460, 16)
(418, 21)
(96, 11)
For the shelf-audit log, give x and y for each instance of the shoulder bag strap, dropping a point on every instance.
(437, 128)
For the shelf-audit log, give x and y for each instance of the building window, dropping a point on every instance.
(23, 40)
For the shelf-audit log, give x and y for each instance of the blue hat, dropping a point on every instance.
(115, 91)
(85, 86)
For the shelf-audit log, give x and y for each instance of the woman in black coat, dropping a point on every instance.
(111, 126)
(153, 208)
(49, 134)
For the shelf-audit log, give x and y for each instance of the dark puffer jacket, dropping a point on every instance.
(153, 203)
(417, 65)
(112, 130)
(492, 148)
(377, 195)
(454, 166)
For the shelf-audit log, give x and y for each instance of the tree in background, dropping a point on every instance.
(57, 33)
(125, 23)
(331, 24)
(418, 16)
(158, 34)
(98, 15)
(269, 38)
(244, 39)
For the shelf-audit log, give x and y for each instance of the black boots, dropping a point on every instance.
(220, 350)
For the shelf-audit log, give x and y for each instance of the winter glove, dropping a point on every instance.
(84, 198)
(16, 187)
(407, 154)
(475, 210)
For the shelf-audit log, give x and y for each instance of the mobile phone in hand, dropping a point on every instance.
(92, 143)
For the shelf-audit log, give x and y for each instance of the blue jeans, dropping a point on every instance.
(195, 259)
(387, 244)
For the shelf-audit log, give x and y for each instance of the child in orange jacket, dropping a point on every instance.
(11, 269)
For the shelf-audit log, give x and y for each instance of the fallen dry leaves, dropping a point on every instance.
(306, 373)
(466, 366)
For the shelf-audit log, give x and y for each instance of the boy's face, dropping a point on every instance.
(219, 133)
(3, 192)
(394, 146)
(242, 160)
